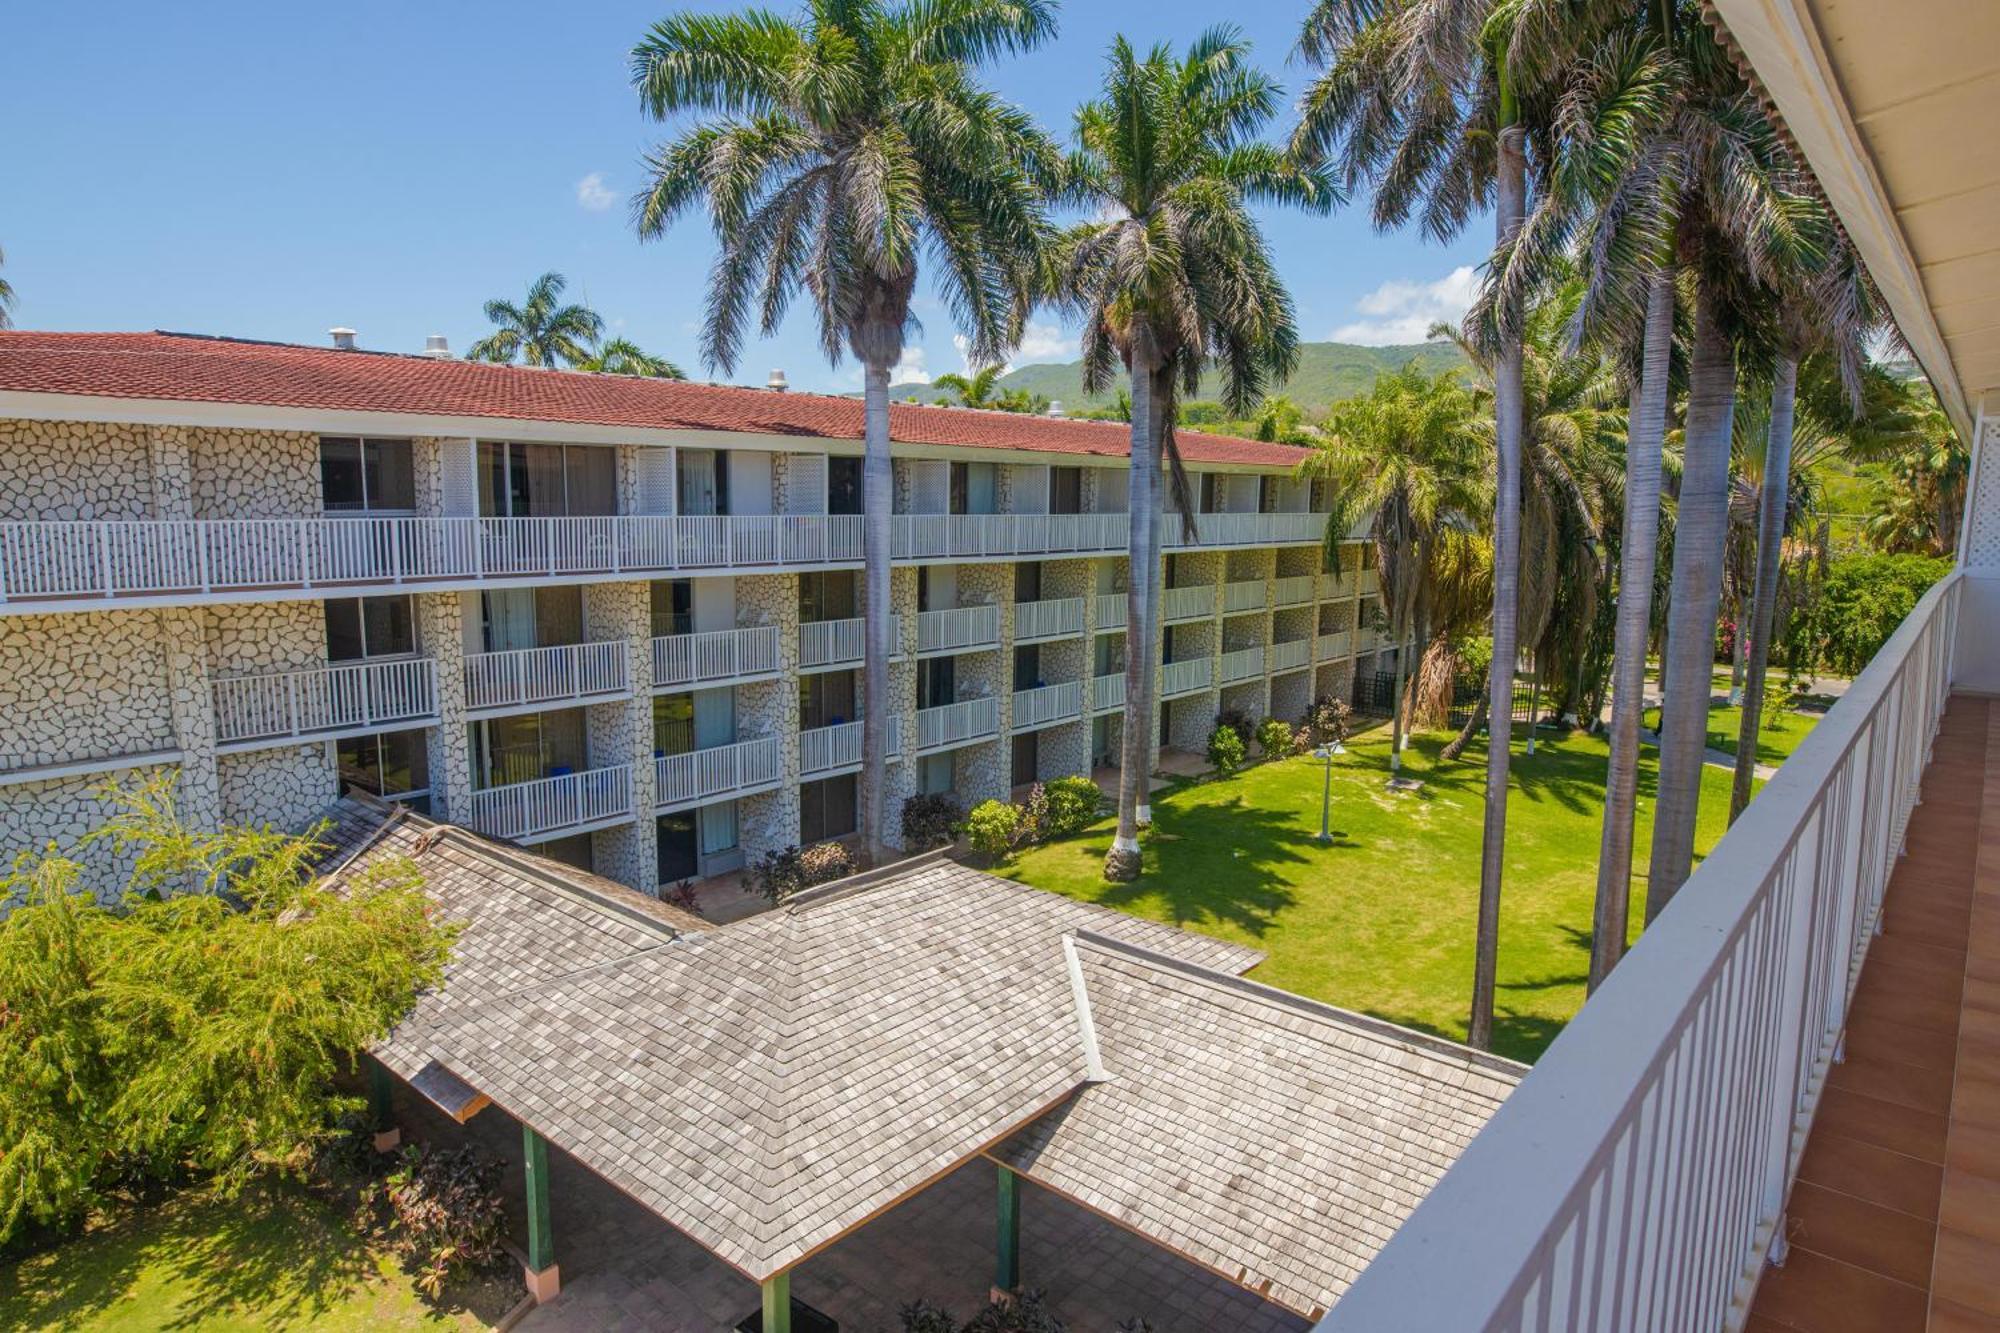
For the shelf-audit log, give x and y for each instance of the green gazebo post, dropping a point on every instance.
(778, 1302)
(1007, 1251)
(542, 1277)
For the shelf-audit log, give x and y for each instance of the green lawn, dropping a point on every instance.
(1779, 731)
(268, 1261)
(1382, 921)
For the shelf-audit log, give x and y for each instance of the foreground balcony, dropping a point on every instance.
(959, 629)
(1191, 603)
(1296, 590)
(826, 752)
(1290, 655)
(1189, 677)
(962, 723)
(73, 564)
(721, 772)
(1332, 647)
(1242, 664)
(1059, 618)
(526, 680)
(554, 807)
(1111, 612)
(323, 703)
(715, 657)
(1047, 706)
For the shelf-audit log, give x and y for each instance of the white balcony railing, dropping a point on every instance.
(955, 724)
(832, 643)
(1336, 587)
(1294, 591)
(831, 749)
(713, 655)
(527, 677)
(1243, 664)
(1370, 582)
(324, 701)
(1332, 647)
(1111, 613)
(550, 807)
(1107, 693)
(1056, 618)
(1048, 704)
(57, 562)
(716, 773)
(1291, 654)
(1637, 1177)
(959, 629)
(1190, 603)
(1245, 595)
(1189, 677)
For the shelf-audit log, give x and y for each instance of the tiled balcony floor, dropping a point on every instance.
(1894, 1223)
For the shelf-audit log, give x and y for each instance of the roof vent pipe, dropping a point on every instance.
(1056, 408)
(343, 338)
(437, 347)
(777, 383)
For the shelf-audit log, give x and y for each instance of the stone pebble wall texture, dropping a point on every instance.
(74, 470)
(249, 638)
(38, 815)
(770, 821)
(900, 781)
(621, 732)
(255, 473)
(285, 788)
(82, 686)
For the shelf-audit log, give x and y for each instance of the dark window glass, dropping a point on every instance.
(923, 588)
(493, 480)
(673, 723)
(937, 682)
(828, 595)
(826, 809)
(673, 607)
(827, 698)
(389, 473)
(1028, 581)
(340, 483)
(679, 857)
(359, 760)
(1027, 666)
(961, 489)
(387, 764)
(1208, 493)
(1065, 490)
(389, 628)
(571, 851)
(593, 480)
(343, 631)
(843, 486)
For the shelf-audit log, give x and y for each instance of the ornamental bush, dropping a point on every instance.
(1225, 750)
(1072, 805)
(780, 874)
(1862, 600)
(1328, 719)
(931, 820)
(1274, 738)
(991, 828)
(447, 1212)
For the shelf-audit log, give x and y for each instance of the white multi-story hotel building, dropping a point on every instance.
(615, 618)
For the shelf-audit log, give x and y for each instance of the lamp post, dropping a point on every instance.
(1325, 754)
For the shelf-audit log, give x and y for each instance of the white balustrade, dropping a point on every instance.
(958, 629)
(723, 654)
(524, 677)
(1637, 1177)
(1051, 619)
(1333, 647)
(717, 772)
(1294, 591)
(954, 724)
(1111, 612)
(828, 643)
(1369, 582)
(1243, 664)
(1047, 704)
(1188, 677)
(1336, 587)
(1190, 603)
(550, 806)
(324, 701)
(1291, 654)
(1244, 595)
(1244, 530)
(1107, 692)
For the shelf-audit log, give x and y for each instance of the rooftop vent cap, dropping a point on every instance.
(437, 347)
(1056, 408)
(777, 383)
(343, 338)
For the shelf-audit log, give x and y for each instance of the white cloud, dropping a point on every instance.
(910, 370)
(1040, 343)
(593, 194)
(1402, 311)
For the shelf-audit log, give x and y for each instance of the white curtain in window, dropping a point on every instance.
(718, 828)
(697, 481)
(510, 619)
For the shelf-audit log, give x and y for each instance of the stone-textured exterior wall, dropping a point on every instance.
(770, 821)
(286, 788)
(1063, 751)
(247, 638)
(900, 782)
(441, 629)
(57, 813)
(1189, 721)
(621, 732)
(1246, 630)
(985, 769)
(191, 711)
(1291, 696)
(82, 686)
(1295, 560)
(72, 470)
(1250, 697)
(255, 473)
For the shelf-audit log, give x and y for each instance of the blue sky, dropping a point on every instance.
(271, 170)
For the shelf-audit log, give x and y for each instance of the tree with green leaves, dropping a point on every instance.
(1928, 470)
(539, 331)
(1172, 274)
(832, 152)
(621, 356)
(196, 1022)
(974, 389)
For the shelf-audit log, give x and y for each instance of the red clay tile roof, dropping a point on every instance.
(189, 368)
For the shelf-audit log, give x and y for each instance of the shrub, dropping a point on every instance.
(1328, 719)
(684, 896)
(1034, 817)
(447, 1212)
(1860, 604)
(781, 874)
(1072, 806)
(1225, 749)
(1239, 722)
(1025, 1313)
(931, 820)
(992, 827)
(1274, 738)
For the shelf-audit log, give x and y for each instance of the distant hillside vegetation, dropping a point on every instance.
(1327, 373)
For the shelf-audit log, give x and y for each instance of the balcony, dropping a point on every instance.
(1035, 622)
(1107, 693)
(1245, 595)
(1189, 677)
(718, 773)
(715, 656)
(1291, 655)
(961, 723)
(323, 703)
(1111, 614)
(1047, 706)
(1641, 1176)
(1297, 590)
(526, 680)
(1191, 603)
(960, 629)
(1243, 664)
(1335, 587)
(554, 807)
(1333, 647)
(1368, 582)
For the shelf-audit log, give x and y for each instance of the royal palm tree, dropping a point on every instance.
(539, 331)
(6, 299)
(832, 152)
(621, 356)
(1170, 275)
(974, 389)
(1928, 467)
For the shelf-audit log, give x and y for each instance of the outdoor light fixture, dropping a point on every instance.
(1325, 754)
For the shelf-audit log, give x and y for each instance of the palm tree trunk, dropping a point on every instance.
(1456, 746)
(1638, 552)
(1123, 861)
(1158, 409)
(1511, 207)
(1399, 628)
(878, 498)
(1740, 653)
(1770, 552)
(1534, 700)
(1687, 669)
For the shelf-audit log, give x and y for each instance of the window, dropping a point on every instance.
(975, 488)
(843, 486)
(1028, 667)
(1211, 494)
(826, 809)
(1109, 656)
(514, 618)
(704, 481)
(390, 764)
(546, 480)
(571, 851)
(673, 723)
(673, 607)
(1065, 490)
(937, 682)
(357, 475)
(827, 699)
(1028, 581)
(363, 627)
(934, 773)
(828, 594)
(521, 749)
